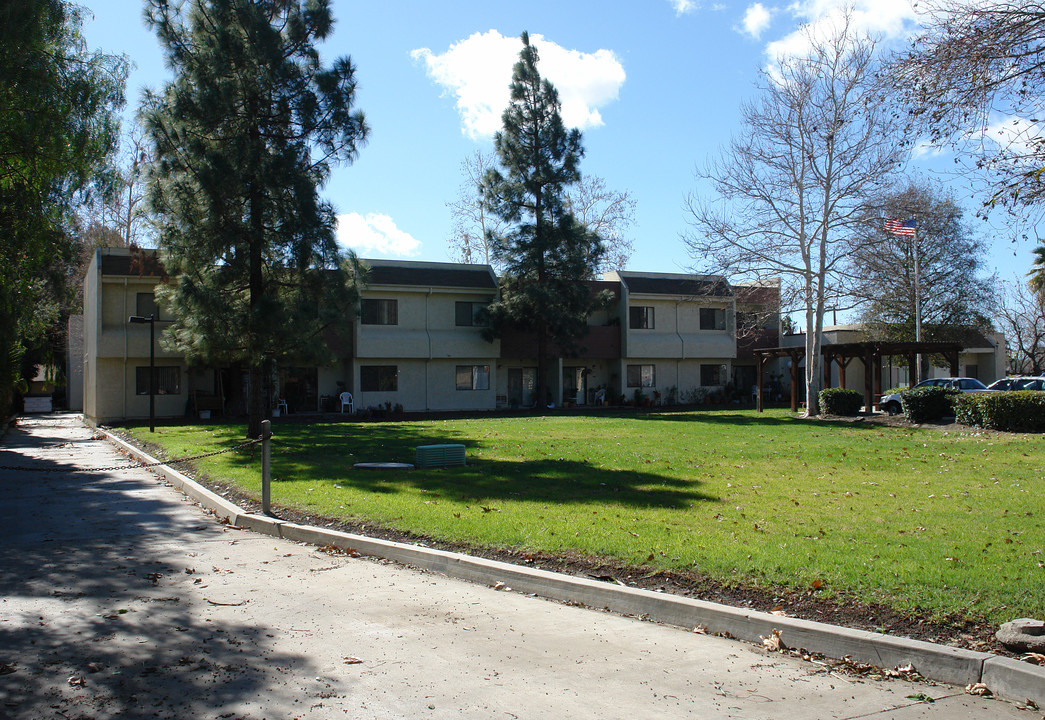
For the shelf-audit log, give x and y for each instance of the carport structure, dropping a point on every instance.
(841, 354)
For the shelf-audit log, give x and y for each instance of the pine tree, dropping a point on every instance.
(244, 135)
(546, 255)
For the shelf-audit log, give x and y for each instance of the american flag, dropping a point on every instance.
(896, 227)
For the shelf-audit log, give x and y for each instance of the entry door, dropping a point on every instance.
(574, 385)
(522, 384)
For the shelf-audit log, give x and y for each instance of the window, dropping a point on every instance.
(642, 376)
(711, 375)
(380, 312)
(640, 318)
(712, 319)
(470, 314)
(379, 378)
(168, 380)
(473, 377)
(145, 306)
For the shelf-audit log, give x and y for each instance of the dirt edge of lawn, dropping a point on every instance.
(956, 630)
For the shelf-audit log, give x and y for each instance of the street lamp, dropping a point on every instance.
(151, 319)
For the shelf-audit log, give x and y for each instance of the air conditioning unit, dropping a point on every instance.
(433, 456)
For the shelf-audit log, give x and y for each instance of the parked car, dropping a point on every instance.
(1023, 382)
(891, 403)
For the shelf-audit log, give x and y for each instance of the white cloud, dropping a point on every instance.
(478, 71)
(375, 234)
(684, 6)
(886, 19)
(756, 20)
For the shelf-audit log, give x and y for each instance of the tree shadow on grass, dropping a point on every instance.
(328, 452)
(752, 420)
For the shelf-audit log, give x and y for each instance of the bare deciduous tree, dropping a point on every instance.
(789, 187)
(607, 213)
(1021, 316)
(973, 80)
(473, 225)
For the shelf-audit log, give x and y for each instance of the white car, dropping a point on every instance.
(1022, 382)
(891, 403)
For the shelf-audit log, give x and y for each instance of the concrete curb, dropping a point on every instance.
(1006, 678)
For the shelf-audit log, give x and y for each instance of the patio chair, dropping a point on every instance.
(346, 401)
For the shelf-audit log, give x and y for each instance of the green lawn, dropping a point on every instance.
(921, 520)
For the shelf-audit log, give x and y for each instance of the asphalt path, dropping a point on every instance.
(123, 599)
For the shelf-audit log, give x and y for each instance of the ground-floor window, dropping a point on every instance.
(642, 376)
(379, 378)
(473, 377)
(168, 380)
(711, 375)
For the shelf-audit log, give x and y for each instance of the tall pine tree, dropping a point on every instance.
(244, 135)
(546, 255)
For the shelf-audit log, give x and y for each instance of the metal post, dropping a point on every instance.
(152, 373)
(266, 457)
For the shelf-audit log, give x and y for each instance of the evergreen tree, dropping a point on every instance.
(58, 124)
(244, 135)
(546, 254)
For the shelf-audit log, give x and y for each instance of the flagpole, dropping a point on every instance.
(917, 306)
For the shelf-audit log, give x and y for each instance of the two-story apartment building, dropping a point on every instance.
(417, 342)
(418, 337)
(679, 332)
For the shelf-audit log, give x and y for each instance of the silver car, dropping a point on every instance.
(891, 403)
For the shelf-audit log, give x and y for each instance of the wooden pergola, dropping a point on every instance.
(841, 354)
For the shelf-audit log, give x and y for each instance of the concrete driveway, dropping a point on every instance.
(123, 599)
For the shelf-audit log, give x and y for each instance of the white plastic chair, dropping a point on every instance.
(346, 400)
(281, 405)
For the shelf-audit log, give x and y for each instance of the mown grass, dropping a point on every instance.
(927, 522)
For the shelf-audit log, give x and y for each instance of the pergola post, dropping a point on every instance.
(760, 364)
(794, 382)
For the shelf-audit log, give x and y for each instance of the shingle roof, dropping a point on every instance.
(677, 285)
(425, 276)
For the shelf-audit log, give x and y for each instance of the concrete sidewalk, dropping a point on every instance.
(122, 598)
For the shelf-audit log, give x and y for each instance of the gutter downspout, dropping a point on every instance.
(428, 334)
(682, 343)
(124, 380)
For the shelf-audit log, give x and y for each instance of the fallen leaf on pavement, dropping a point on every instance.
(77, 681)
(772, 642)
(352, 660)
(978, 689)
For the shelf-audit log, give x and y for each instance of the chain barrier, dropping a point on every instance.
(135, 466)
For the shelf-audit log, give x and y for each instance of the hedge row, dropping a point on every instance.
(836, 401)
(927, 403)
(1011, 411)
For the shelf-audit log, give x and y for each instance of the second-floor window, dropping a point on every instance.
(470, 314)
(640, 318)
(379, 312)
(145, 305)
(712, 319)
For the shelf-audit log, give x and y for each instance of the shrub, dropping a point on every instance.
(1011, 411)
(927, 403)
(839, 401)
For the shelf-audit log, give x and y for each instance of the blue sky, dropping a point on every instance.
(655, 86)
